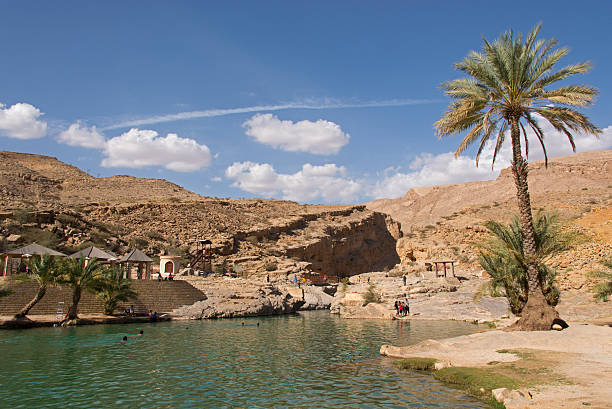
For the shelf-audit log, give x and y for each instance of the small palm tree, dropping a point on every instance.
(503, 257)
(43, 271)
(603, 289)
(112, 289)
(508, 89)
(80, 274)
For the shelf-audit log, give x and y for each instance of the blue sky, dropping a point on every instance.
(319, 102)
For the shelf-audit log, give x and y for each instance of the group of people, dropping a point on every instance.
(125, 338)
(170, 277)
(402, 308)
(130, 311)
(153, 316)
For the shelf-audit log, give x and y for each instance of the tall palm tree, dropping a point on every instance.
(113, 289)
(80, 274)
(43, 271)
(508, 88)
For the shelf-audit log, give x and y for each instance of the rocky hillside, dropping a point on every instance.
(446, 221)
(60, 206)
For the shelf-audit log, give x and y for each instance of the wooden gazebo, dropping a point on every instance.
(104, 257)
(138, 259)
(7, 267)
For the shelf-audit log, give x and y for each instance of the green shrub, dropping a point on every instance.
(502, 256)
(140, 242)
(24, 216)
(603, 289)
(271, 266)
(42, 237)
(344, 283)
(371, 296)
(67, 219)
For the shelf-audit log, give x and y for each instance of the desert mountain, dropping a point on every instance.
(60, 206)
(447, 221)
(568, 181)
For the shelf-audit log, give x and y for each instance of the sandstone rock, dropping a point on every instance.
(418, 290)
(500, 394)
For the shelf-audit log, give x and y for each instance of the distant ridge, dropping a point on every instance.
(45, 180)
(574, 173)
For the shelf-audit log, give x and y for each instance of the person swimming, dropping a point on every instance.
(140, 334)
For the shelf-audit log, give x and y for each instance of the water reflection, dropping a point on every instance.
(312, 359)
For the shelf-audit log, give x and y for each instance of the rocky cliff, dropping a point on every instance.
(60, 206)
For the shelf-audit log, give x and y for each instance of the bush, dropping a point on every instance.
(604, 289)
(344, 283)
(24, 216)
(42, 237)
(271, 266)
(67, 219)
(502, 256)
(371, 296)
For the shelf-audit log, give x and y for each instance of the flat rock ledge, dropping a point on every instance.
(585, 360)
(265, 300)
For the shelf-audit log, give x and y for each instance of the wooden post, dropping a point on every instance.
(453, 265)
(444, 268)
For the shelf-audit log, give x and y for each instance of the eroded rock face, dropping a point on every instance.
(232, 301)
(160, 217)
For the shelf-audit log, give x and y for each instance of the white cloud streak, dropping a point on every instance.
(20, 121)
(321, 137)
(209, 113)
(143, 148)
(327, 183)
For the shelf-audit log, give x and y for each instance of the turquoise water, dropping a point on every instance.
(313, 359)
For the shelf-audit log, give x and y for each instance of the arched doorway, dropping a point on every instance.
(169, 267)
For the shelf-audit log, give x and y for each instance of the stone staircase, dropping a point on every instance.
(158, 296)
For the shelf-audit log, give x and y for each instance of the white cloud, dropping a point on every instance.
(216, 179)
(327, 183)
(79, 135)
(142, 148)
(321, 137)
(444, 168)
(20, 121)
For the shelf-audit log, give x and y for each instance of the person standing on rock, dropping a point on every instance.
(404, 279)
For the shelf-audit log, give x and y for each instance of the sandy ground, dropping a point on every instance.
(581, 354)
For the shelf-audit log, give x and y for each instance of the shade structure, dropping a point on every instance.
(34, 249)
(7, 267)
(135, 256)
(140, 260)
(94, 252)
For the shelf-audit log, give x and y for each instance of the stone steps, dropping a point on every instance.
(158, 296)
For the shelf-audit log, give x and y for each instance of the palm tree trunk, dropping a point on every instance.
(42, 290)
(76, 297)
(537, 315)
(520, 171)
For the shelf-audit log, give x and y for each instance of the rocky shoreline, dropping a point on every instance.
(576, 363)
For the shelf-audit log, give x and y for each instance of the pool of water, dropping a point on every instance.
(313, 359)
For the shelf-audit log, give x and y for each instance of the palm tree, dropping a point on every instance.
(113, 289)
(80, 274)
(503, 257)
(43, 271)
(508, 88)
